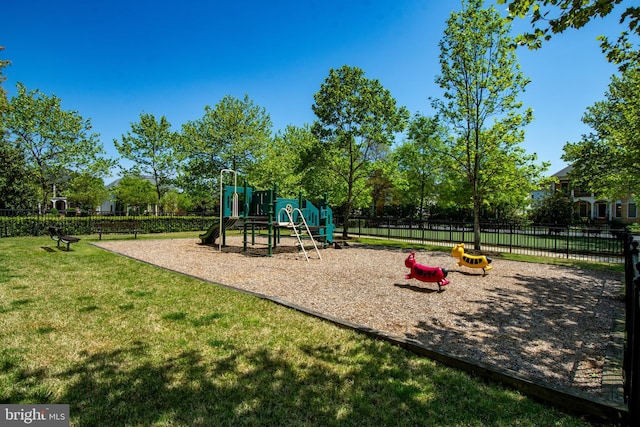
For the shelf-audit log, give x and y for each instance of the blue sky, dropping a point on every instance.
(113, 60)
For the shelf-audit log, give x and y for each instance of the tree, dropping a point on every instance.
(135, 193)
(576, 14)
(52, 141)
(281, 161)
(357, 119)
(607, 160)
(87, 191)
(173, 201)
(230, 135)
(151, 145)
(420, 162)
(17, 189)
(481, 80)
(553, 208)
(3, 93)
(16, 186)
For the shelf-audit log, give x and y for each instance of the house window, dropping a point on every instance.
(632, 209)
(580, 192)
(618, 209)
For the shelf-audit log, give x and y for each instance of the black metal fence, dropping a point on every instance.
(599, 244)
(631, 362)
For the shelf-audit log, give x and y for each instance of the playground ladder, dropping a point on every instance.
(295, 227)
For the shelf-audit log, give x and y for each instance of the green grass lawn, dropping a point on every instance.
(126, 343)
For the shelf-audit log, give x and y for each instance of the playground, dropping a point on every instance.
(262, 216)
(547, 323)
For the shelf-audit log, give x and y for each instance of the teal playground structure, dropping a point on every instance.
(254, 211)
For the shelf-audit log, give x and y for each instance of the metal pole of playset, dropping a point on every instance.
(245, 213)
(272, 202)
(234, 204)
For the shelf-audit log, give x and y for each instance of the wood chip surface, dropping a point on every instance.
(547, 323)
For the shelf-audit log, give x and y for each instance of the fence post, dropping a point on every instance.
(634, 388)
(511, 231)
(632, 353)
(631, 364)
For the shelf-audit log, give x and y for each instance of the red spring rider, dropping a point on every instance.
(424, 273)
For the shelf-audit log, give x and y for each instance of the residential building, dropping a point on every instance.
(597, 209)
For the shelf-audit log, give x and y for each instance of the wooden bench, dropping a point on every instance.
(116, 227)
(56, 234)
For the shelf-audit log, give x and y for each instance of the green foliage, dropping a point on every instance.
(3, 93)
(482, 81)
(17, 189)
(233, 134)
(553, 208)
(604, 160)
(87, 191)
(357, 119)
(52, 141)
(36, 225)
(174, 201)
(136, 193)
(281, 162)
(151, 145)
(422, 164)
(549, 17)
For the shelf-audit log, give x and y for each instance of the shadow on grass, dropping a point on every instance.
(128, 386)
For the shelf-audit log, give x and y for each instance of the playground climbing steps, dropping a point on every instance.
(302, 226)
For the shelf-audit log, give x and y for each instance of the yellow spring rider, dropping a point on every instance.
(471, 261)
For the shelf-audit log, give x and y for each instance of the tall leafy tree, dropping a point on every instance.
(87, 191)
(134, 193)
(151, 145)
(549, 17)
(17, 189)
(53, 141)
(3, 93)
(605, 159)
(281, 162)
(481, 80)
(230, 135)
(16, 186)
(420, 161)
(554, 208)
(357, 119)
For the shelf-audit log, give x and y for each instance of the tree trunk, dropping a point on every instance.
(347, 213)
(476, 227)
(347, 216)
(476, 222)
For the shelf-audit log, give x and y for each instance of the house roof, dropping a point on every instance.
(562, 173)
(117, 181)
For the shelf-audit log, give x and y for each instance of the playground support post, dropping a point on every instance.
(234, 205)
(245, 216)
(272, 194)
